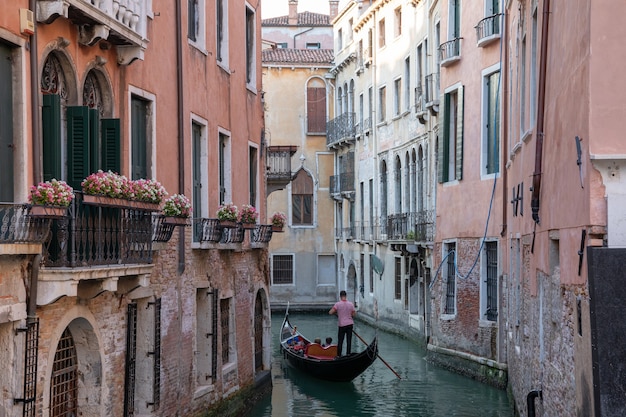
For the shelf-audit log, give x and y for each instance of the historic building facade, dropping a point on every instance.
(298, 101)
(108, 308)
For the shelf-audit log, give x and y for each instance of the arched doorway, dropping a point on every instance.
(262, 332)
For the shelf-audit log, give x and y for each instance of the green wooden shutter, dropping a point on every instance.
(6, 123)
(51, 134)
(459, 135)
(139, 137)
(77, 145)
(442, 158)
(110, 149)
(94, 140)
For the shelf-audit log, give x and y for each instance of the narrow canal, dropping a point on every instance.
(424, 390)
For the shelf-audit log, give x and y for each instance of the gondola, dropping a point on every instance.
(321, 362)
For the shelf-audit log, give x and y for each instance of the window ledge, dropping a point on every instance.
(251, 88)
(381, 124)
(487, 323)
(224, 67)
(198, 46)
(527, 136)
(448, 317)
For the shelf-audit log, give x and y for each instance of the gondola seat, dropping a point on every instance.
(317, 351)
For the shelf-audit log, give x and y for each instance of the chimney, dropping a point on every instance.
(334, 8)
(293, 12)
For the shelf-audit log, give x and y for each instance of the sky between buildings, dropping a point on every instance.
(273, 8)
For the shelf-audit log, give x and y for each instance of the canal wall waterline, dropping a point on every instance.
(239, 404)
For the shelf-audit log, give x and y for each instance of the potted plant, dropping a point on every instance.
(227, 214)
(148, 191)
(50, 198)
(177, 210)
(248, 216)
(278, 221)
(107, 189)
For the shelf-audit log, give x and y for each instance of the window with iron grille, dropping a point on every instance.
(398, 278)
(491, 280)
(302, 199)
(225, 327)
(450, 306)
(64, 381)
(282, 269)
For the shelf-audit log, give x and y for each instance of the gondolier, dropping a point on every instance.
(345, 312)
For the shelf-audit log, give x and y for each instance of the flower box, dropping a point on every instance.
(277, 229)
(228, 224)
(48, 211)
(248, 225)
(104, 201)
(177, 221)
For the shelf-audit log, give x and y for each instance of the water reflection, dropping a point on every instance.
(424, 390)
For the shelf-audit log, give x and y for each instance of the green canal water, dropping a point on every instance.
(424, 390)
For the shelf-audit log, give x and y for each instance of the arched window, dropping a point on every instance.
(302, 199)
(398, 184)
(316, 106)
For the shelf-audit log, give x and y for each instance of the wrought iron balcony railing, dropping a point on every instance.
(210, 231)
(450, 52)
(93, 234)
(342, 183)
(17, 226)
(488, 29)
(416, 227)
(340, 130)
(278, 166)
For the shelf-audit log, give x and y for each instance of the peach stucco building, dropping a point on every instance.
(108, 308)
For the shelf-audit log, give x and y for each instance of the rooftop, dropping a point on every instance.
(304, 19)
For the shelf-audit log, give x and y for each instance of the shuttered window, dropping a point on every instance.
(6, 123)
(139, 138)
(51, 135)
(110, 145)
(451, 150)
(302, 199)
(316, 109)
(77, 145)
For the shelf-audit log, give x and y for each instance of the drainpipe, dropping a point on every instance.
(541, 99)
(34, 98)
(503, 105)
(181, 131)
(298, 34)
(530, 401)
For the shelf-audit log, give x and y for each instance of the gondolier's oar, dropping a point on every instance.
(377, 355)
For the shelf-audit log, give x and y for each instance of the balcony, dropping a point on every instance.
(488, 30)
(342, 185)
(20, 233)
(341, 131)
(122, 23)
(431, 92)
(450, 52)
(278, 166)
(211, 235)
(417, 227)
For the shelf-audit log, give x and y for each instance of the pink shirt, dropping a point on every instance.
(344, 312)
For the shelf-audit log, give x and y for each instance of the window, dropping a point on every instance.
(489, 282)
(370, 104)
(398, 185)
(253, 176)
(522, 91)
(454, 19)
(302, 199)
(398, 278)
(397, 96)
(228, 331)
(6, 128)
(140, 139)
(407, 84)
(311, 45)
(339, 39)
(491, 123)
(250, 46)
(450, 275)
(316, 106)
(282, 269)
(326, 270)
(371, 207)
(451, 152)
(195, 23)
(397, 22)
(361, 112)
(383, 195)
(221, 29)
(370, 43)
(533, 67)
(371, 268)
(350, 30)
(205, 336)
(224, 168)
(381, 33)
(382, 104)
(200, 174)
(283, 45)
